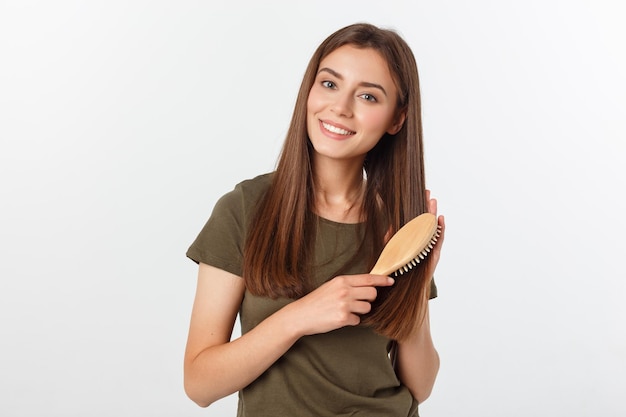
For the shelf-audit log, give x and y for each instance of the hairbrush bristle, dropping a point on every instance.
(420, 256)
(409, 246)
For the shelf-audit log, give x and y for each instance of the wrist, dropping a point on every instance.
(287, 320)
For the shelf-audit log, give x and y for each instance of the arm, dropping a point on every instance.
(216, 367)
(417, 359)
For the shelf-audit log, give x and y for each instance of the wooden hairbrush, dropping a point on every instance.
(408, 246)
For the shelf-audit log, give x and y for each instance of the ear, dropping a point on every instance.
(397, 124)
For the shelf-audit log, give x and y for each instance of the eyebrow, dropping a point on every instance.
(362, 83)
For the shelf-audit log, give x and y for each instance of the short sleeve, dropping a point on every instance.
(221, 241)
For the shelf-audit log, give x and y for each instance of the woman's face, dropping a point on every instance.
(352, 104)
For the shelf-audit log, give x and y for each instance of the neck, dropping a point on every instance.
(339, 190)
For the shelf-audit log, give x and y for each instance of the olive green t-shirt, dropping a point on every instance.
(345, 372)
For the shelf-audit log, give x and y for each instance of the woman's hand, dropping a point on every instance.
(337, 303)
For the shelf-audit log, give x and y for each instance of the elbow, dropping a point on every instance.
(195, 393)
(202, 404)
(203, 388)
(422, 392)
(422, 396)
(422, 387)
(193, 396)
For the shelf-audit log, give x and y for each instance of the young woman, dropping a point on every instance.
(290, 252)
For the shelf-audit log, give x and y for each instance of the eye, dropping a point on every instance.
(329, 84)
(369, 97)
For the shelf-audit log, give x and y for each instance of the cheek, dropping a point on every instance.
(312, 107)
(378, 121)
(313, 101)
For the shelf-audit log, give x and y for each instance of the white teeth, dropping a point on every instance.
(336, 129)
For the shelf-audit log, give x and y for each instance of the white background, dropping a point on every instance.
(122, 122)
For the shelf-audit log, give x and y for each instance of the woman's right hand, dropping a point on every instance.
(337, 303)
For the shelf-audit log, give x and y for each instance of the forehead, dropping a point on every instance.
(360, 64)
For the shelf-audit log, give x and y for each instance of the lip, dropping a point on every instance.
(335, 135)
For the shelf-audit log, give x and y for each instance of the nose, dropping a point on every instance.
(342, 105)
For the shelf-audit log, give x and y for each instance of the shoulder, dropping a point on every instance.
(250, 191)
(220, 242)
(245, 196)
(254, 188)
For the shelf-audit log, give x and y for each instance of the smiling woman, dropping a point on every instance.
(290, 252)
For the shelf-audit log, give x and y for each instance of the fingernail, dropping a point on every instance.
(390, 280)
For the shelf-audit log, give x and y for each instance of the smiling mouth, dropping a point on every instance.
(337, 130)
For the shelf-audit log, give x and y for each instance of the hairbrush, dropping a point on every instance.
(410, 245)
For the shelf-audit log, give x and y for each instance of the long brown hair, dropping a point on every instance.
(280, 238)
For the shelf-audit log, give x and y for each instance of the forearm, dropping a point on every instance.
(221, 367)
(221, 370)
(418, 361)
